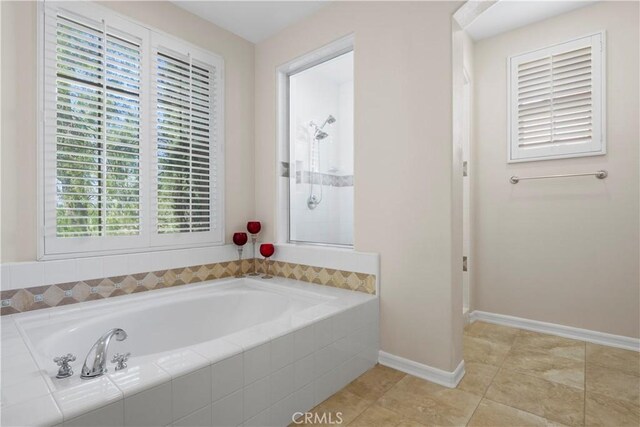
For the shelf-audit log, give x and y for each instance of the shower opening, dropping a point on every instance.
(320, 167)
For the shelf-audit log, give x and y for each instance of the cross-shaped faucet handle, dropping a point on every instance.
(120, 360)
(65, 370)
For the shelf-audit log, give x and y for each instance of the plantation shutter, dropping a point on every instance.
(186, 97)
(556, 101)
(93, 126)
(132, 136)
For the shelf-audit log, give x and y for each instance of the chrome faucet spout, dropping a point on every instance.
(96, 362)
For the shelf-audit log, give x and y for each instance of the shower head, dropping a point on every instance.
(331, 120)
(320, 135)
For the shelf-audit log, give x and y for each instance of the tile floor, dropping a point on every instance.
(513, 378)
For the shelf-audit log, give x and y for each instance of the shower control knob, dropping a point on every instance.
(65, 370)
(120, 360)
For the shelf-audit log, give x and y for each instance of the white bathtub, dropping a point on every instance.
(162, 323)
(220, 353)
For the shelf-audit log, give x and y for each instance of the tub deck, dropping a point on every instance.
(279, 345)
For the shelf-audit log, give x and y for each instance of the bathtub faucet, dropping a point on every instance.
(97, 357)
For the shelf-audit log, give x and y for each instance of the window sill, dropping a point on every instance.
(128, 251)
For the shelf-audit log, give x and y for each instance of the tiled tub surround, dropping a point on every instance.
(39, 297)
(349, 280)
(222, 353)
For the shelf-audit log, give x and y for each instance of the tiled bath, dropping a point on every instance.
(259, 375)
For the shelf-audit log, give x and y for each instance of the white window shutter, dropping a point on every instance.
(80, 129)
(187, 101)
(556, 101)
(92, 133)
(132, 136)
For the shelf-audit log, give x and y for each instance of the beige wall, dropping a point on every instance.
(403, 161)
(18, 227)
(467, 128)
(18, 144)
(564, 250)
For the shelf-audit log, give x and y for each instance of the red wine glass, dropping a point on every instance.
(266, 250)
(254, 228)
(239, 239)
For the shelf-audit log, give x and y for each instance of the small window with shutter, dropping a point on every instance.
(557, 101)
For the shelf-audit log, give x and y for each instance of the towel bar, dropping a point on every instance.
(602, 174)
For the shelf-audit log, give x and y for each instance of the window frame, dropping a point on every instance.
(326, 53)
(598, 105)
(49, 246)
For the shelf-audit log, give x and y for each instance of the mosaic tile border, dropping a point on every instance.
(306, 177)
(40, 297)
(349, 280)
(284, 169)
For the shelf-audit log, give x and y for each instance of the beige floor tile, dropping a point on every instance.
(613, 383)
(428, 403)
(614, 358)
(546, 399)
(605, 411)
(482, 351)
(527, 379)
(550, 344)
(494, 414)
(344, 402)
(410, 423)
(375, 382)
(544, 365)
(477, 377)
(377, 416)
(493, 333)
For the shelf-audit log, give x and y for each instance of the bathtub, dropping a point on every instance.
(231, 352)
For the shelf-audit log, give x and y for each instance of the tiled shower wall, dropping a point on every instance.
(39, 297)
(332, 221)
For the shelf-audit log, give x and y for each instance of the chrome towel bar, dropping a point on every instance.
(602, 174)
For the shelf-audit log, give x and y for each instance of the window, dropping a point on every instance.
(320, 171)
(187, 166)
(132, 140)
(557, 101)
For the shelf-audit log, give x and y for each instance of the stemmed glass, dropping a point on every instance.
(266, 250)
(254, 228)
(239, 239)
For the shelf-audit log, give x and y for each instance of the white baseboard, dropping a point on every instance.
(435, 375)
(611, 340)
(466, 316)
